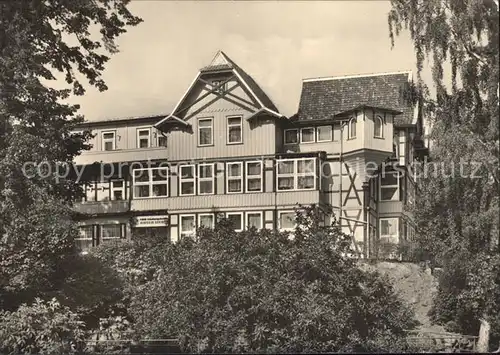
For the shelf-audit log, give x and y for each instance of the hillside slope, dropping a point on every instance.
(414, 285)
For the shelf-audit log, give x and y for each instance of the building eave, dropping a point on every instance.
(363, 107)
(171, 121)
(266, 111)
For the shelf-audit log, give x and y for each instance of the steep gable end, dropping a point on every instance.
(221, 81)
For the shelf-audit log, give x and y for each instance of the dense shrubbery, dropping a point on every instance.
(41, 328)
(467, 292)
(254, 291)
(260, 291)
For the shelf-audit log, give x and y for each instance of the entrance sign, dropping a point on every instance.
(151, 221)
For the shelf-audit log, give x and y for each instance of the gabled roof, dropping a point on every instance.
(260, 95)
(325, 98)
(222, 63)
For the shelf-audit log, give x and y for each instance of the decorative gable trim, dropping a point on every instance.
(222, 63)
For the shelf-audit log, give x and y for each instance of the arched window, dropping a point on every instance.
(378, 132)
(352, 128)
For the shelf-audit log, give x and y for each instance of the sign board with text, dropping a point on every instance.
(151, 221)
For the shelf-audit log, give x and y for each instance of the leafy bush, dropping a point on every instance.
(41, 328)
(469, 291)
(134, 262)
(260, 291)
(92, 288)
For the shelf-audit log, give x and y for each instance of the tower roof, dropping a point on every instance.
(324, 98)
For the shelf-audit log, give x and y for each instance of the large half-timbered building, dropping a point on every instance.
(226, 150)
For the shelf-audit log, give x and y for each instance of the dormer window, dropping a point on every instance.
(378, 127)
(352, 128)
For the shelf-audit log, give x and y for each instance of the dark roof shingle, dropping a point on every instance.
(325, 98)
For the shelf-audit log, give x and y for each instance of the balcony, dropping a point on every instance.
(286, 199)
(102, 207)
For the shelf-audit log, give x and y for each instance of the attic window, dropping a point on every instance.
(216, 83)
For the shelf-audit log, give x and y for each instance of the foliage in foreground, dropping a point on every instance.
(40, 39)
(259, 291)
(41, 328)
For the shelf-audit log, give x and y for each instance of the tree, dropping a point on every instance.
(263, 291)
(37, 39)
(457, 211)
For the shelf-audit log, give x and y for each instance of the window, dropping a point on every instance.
(110, 232)
(236, 219)
(206, 220)
(352, 128)
(234, 177)
(150, 182)
(161, 139)
(307, 135)
(234, 130)
(187, 225)
(402, 147)
(108, 141)
(143, 138)
(102, 190)
(118, 190)
(296, 174)
(90, 190)
(206, 179)
(286, 220)
(254, 176)
(187, 180)
(389, 186)
(86, 239)
(337, 126)
(205, 132)
(285, 175)
(306, 173)
(389, 228)
(378, 125)
(254, 220)
(291, 136)
(324, 134)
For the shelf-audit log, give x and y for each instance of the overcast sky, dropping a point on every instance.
(278, 43)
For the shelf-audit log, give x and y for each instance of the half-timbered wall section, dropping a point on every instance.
(225, 150)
